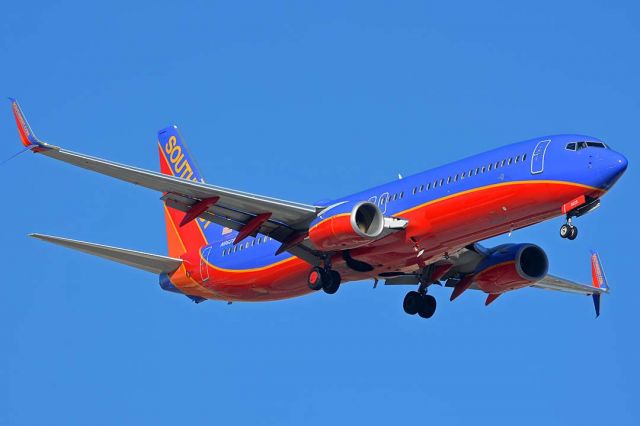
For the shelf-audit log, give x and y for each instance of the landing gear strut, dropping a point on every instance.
(323, 278)
(568, 230)
(419, 302)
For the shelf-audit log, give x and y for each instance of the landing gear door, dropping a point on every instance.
(537, 159)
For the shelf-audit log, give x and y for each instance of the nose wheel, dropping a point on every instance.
(568, 230)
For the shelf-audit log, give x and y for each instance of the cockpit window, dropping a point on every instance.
(577, 146)
(596, 144)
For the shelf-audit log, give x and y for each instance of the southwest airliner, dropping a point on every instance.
(417, 231)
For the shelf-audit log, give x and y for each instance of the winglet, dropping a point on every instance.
(27, 136)
(598, 279)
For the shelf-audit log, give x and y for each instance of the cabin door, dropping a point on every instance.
(537, 159)
(204, 269)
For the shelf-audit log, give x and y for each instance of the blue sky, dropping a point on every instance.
(307, 101)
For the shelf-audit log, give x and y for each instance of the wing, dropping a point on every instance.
(146, 261)
(551, 282)
(284, 221)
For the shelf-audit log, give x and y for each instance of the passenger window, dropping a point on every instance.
(509, 161)
(449, 179)
(422, 187)
(524, 157)
(489, 168)
(428, 186)
(401, 195)
(455, 178)
(503, 163)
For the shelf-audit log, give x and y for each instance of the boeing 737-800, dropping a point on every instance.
(418, 231)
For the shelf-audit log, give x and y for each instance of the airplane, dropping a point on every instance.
(418, 231)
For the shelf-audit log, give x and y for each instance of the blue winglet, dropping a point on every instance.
(596, 303)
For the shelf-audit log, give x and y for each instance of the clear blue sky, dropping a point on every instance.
(305, 102)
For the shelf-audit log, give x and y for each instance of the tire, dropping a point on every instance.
(315, 279)
(565, 231)
(331, 285)
(412, 303)
(428, 306)
(573, 234)
(335, 277)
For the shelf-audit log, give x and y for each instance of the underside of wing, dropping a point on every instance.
(551, 282)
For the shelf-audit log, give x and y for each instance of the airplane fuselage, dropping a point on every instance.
(447, 208)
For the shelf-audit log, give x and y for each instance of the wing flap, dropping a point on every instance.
(146, 261)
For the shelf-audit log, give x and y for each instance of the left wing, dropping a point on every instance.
(459, 275)
(598, 288)
(284, 221)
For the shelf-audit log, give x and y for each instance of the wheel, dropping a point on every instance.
(331, 284)
(315, 279)
(428, 307)
(573, 233)
(565, 230)
(335, 277)
(412, 302)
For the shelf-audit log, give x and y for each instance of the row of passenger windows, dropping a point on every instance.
(243, 246)
(471, 172)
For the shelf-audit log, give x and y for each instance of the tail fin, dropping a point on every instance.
(598, 279)
(183, 235)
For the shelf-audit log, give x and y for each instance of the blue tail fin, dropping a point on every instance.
(180, 162)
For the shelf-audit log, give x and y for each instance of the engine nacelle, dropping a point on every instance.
(510, 267)
(352, 225)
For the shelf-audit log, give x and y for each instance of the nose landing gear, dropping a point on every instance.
(568, 230)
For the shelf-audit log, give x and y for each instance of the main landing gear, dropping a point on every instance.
(568, 230)
(419, 302)
(323, 278)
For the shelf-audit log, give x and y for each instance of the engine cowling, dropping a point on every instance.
(510, 267)
(351, 225)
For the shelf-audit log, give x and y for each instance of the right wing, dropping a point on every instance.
(287, 222)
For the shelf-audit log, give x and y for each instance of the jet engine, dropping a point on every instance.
(351, 225)
(511, 266)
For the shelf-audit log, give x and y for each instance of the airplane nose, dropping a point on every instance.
(622, 163)
(615, 167)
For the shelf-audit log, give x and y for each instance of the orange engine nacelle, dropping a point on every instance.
(343, 231)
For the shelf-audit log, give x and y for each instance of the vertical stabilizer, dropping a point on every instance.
(185, 231)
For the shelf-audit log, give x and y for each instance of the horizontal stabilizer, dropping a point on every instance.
(148, 262)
